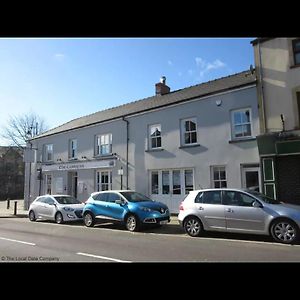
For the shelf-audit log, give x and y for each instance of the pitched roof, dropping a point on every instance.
(197, 91)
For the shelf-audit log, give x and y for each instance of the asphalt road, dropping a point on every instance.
(25, 241)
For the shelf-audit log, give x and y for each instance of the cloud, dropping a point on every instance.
(205, 66)
(170, 63)
(59, 57)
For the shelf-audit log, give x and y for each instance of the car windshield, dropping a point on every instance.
(135, 197)
(264, 197)
(66, 200)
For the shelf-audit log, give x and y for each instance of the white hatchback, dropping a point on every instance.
(59, 208)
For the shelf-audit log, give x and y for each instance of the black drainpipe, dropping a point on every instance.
(127, 141)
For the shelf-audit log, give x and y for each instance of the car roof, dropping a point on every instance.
(112, 191)
(218, 189)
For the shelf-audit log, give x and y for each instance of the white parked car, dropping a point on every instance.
(60, 208)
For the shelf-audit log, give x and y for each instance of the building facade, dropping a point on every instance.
(162, 146)
(277, 65)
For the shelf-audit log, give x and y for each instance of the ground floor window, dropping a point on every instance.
(218, 177)
(48, 184)
(166, 182)
(103, 180)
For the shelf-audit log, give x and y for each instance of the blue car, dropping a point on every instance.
(125, 206)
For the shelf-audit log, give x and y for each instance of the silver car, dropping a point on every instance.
(239, 211)
(60, 208)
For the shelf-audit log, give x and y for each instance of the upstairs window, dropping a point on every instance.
(48, 152)
(296, 51)
(241, 123)
(189, 131)
(104, 144)
(73, 148)
(155, 136)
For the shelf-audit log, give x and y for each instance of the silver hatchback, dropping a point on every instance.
(239, 211)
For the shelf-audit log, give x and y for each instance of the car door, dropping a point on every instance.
(100, 206)
(241, 215)
(49, 208)
(39, 207)
(210, 210)
(115, 211)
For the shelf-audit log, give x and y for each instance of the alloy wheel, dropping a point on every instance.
(193, 227)
(285, 232)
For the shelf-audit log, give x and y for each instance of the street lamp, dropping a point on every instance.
(28, 136)
(120, 172)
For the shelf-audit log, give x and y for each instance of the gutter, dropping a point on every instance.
(127, 142)
(262, 91)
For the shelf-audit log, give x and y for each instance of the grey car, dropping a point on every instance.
(59, 208)
(239, 211)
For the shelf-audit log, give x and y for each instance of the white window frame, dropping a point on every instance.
(218, 169)
(154, 137)
(73, 149)
(99, 145)
(99, 183)
(233, 125)
(48, 149)
(183, 131)
(47, 185)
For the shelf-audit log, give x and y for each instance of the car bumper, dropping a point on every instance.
(157, 220)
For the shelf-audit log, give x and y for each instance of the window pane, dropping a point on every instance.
(193, 137)
(222, 174)
(187, 125)
(165, 182)
(192, 126)
(247, 130)
(154, 182)
(187, 139)
(237, 119)
(216, 174)
(217, 184)
(223, 184)
(176, 182)
(188, 177)
(158, 142)
(296, 46)
(238, 130)
(245, 116)
(153, 143)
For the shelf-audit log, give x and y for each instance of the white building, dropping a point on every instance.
(197, 137)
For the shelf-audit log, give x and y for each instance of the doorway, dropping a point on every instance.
(73, 181)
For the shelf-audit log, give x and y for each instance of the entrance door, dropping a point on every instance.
(73, 180)
(251, 178)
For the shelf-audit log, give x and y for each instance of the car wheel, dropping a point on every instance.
(32, 217)
(59, 218)
(132, 223)
(89, 219)
(193, 226)
(284, 231)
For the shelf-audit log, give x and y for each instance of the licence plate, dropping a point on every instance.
(163, 222)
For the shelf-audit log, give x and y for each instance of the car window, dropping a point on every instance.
(112, 197)
(211, 197)
(237, 199)
(41, 200)
(49, 201)
(66, 200)
(199, 197)
(101, 197)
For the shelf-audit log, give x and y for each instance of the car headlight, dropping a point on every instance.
(68, 209)
(145, 209)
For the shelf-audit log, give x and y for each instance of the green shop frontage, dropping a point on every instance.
(280, 165)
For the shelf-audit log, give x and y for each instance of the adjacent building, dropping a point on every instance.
(163, 146)
(277, 65)
(11, 173)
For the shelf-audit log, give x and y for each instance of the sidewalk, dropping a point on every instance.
(9, 213)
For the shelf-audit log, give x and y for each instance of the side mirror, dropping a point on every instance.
(119, 201)
(257, 204)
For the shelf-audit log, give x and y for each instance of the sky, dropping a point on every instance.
(61, 79)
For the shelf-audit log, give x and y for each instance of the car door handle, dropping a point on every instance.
(229, 210)
(201, 208)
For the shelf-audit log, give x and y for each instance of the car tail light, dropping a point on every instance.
(181, 206)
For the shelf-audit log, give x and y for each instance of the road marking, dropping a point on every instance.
(22, 242)
(103, 257)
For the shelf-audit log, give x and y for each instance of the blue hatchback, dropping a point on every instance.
(129, 207)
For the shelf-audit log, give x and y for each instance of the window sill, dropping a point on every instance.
(189, 146)
(73, 158)
(104, 156)
(242, 140)
(155, 150)
(295, 66)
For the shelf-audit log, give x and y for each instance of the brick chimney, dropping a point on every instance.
(161, 88)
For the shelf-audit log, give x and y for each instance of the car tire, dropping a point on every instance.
(59, 218)
(88, 219)
(132, 223)
(285, 231)
(193, 226)
(32, 217)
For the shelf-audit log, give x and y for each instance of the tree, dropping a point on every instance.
(20, 128)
